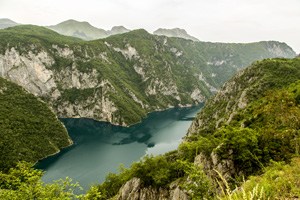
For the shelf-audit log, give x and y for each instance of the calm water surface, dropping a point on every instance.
(100, 147)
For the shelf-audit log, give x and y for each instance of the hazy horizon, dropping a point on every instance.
(229, 21)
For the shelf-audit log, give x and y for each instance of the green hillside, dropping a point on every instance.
(245, 87)
(121, 78)
(250, 121)
(263, 132)
(29, 130)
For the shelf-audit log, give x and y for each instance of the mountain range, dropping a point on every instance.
(121, 78)
(250, 122)
(247, 125)
(86, 31)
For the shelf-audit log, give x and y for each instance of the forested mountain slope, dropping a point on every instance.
(260, 126)
(29, 130)
(121, 78)
(244, 87)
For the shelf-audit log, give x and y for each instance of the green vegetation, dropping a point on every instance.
(34, 38)
(141, 72)
(279, 181)
(24, 182)
(243, 122)
(263, 132)
(249, 85)
(153, 171)
(29, 130)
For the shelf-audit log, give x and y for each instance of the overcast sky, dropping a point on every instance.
(208, 20)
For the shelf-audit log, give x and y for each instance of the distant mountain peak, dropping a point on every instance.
(118, 30)
(84, 30)
(8, 21)
(5, 23)
(74, 23)
(175, 32)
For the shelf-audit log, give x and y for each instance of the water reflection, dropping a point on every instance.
(100, 147)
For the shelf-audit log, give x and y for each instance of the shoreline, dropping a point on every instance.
(71, 141)
(157, 110)
(58, 149)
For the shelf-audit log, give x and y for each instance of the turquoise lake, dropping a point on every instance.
(100, 147)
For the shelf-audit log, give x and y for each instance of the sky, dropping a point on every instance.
(208, 20)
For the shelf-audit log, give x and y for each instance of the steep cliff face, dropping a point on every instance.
(244, 87)
(250, 121)
(134, 191)
(121, 78)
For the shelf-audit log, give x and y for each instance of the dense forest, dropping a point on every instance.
(29, 130)
(260, 141)
(121, 78)
(249, 130)
(262, 134)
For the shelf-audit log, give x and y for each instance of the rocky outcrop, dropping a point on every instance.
(118, 79)
(134, 191)
(29, 71)
(230, 98)
(212, 162)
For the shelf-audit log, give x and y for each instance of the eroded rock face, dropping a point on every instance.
(37, 71)
(212, 162)
(134, 191)
(32, 72)
(121, 79)
(28, 71)
(232, 96)
(130, 190)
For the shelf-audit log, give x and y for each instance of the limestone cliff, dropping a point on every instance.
(134, 191)
(233, 124)
(244, 87)
(118, 79)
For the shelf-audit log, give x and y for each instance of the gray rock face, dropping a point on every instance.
(116, 80)
(211, 163)
(134, 191)
(235, 95)
(28, 71)
(35, 72)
